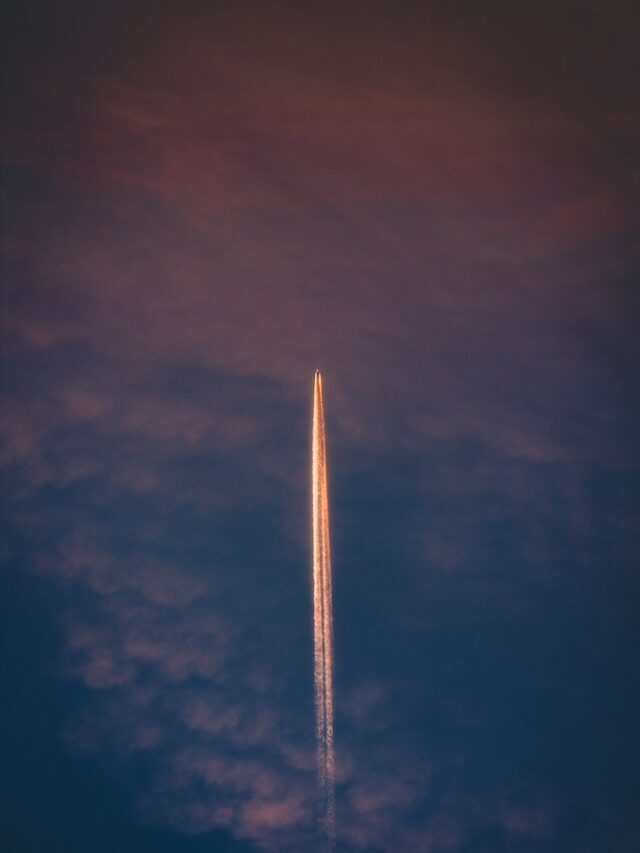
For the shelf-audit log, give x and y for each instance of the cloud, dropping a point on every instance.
(219, 204)
(177, 676)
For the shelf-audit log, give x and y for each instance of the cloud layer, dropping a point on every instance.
(439, 211)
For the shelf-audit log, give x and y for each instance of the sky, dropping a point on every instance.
(435, 204)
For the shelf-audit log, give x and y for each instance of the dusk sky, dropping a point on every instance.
(437, 204)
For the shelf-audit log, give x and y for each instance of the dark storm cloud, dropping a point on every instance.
(437, 206)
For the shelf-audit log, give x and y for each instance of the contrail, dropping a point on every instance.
(322, 616)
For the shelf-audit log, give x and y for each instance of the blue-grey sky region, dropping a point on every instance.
(437, 205)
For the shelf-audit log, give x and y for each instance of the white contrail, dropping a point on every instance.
(322, 615)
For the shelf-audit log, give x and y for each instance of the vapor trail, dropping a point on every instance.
(322, 615)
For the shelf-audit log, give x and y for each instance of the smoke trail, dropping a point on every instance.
(322, 615)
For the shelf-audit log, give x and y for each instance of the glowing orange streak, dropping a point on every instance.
(322, 613)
